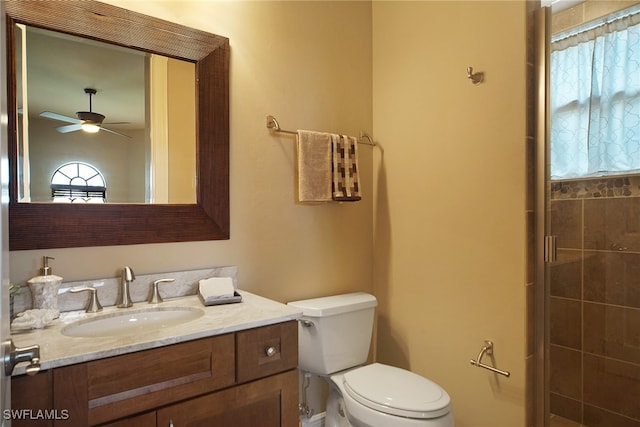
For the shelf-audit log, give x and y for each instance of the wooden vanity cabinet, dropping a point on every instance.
(31, 393)
(243, 378)
(144, 420)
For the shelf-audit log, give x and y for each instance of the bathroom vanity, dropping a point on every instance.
(234, 365)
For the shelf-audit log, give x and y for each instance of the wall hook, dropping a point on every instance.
(476, 78)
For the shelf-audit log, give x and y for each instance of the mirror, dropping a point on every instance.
(143, 148)
(62, 225)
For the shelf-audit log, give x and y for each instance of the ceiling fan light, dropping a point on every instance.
(90, 127)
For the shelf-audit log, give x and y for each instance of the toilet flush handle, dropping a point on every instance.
(306, 323)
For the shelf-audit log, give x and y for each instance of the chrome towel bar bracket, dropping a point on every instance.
(272, 123)
(488, 350)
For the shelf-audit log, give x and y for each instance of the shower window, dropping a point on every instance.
(595, 99)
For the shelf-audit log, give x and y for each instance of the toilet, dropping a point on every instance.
(334, 335)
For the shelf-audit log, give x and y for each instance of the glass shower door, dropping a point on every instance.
(593, 299)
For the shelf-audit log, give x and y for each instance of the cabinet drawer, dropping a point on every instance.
(266, 351)
(136, 382)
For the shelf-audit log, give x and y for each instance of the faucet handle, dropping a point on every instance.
(94, 304)
(128, 274)
(155, 297)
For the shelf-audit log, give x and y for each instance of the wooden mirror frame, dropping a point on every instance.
(49, 225)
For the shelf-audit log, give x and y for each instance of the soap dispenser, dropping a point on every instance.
(44, 288)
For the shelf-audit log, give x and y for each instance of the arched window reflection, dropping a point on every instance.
(78, 182)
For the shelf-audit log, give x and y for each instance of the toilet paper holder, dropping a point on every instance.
(488, 350)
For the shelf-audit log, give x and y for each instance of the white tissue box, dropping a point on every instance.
(218, 290)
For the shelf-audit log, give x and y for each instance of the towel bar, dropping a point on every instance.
(272, 123)
(488, 349)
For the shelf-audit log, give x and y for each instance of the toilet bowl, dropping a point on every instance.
(334, 335)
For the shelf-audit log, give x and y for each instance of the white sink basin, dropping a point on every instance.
(132, 321)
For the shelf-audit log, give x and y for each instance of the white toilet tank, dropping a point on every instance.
(335, 332)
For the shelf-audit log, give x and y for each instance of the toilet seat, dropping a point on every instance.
(395, 391)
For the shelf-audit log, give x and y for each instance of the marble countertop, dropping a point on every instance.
(58, 350)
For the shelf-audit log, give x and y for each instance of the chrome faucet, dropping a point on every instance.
(124, 298)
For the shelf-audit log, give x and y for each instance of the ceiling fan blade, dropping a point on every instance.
(56, 116)
(69, 128)
(114, 132)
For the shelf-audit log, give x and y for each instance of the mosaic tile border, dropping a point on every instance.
(615, 186)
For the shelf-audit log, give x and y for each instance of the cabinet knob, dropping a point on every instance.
(270, 351)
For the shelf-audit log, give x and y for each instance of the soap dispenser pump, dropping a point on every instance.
(44, 288)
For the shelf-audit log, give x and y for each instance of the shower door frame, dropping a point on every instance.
(542, 120)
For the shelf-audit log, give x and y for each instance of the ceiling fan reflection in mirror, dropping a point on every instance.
(87, 121)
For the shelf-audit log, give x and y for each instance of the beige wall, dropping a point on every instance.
(440, 234)
(309, 64)
(449, 230)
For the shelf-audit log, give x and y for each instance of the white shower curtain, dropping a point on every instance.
(595, 101)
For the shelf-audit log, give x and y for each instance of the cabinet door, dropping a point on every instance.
(270, 402)
(31, 401)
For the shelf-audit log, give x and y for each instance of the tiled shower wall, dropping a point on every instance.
(595, 302)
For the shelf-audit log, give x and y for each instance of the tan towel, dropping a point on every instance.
(346, 176)
(314, 166)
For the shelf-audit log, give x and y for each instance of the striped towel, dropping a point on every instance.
(345, 186)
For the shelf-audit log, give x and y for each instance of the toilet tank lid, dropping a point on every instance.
(335, 304)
